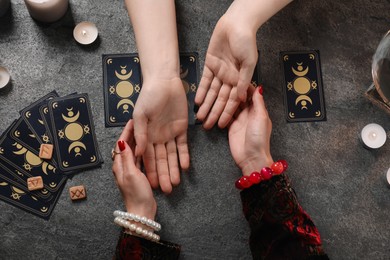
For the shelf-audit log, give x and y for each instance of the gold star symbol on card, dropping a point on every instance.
(15, 196)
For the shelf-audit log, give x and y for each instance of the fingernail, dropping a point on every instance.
(260, 87)
(121, 145)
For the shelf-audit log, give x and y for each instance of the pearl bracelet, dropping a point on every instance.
(130, 216)
(264, 175)
(138, 230)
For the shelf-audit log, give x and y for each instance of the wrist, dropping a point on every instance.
(255, 164)
(243, 17)
(148, 212)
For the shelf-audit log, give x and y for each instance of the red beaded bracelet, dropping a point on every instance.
(265, 174)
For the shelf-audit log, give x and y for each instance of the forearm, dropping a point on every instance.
(154, 24)
(254, 13)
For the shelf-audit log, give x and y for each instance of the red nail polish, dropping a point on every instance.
(121, 145)
(260, 89)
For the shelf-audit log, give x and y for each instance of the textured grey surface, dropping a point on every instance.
(338, 182)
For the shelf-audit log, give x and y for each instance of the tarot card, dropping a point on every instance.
(9, 173)
(34, 119)
(189, 74)
(74, 135)
(28, 163)
(303, 89)
(12, 193)
(22, 134)
(121, 86)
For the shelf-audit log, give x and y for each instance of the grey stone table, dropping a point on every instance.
(338, 182)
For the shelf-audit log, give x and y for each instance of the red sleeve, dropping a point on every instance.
(137, 248)
(280, 228)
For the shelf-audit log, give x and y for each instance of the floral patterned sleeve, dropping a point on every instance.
(137, 248)
(280, 228)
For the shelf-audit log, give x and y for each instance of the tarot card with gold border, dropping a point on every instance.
(34, 119)
(16, 195)
(121, 86)
(189, 71)
(74, 134)
(302, 86)
(28, 164)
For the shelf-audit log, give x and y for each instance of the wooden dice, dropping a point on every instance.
(77, 192)
(35, 183)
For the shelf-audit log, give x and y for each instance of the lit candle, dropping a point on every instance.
(4, 77)
(4, 4)
(373, 136)
(85, 33)
(47, 11)
(387, 175)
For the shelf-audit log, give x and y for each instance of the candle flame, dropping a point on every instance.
(83, 32)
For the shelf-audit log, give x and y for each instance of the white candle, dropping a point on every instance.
(47, 11)
(85, 33)
(387, 175)
(4, 77)
(4, 4)
(373, 136)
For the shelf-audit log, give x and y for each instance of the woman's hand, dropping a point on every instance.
(134, 186)
(160, 127)
(250, 134)
(230, 61)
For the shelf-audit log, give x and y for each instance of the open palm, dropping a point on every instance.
(160, 127)
(229, 65)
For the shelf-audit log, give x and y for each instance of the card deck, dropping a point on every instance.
(34, 120)
(121, 86)
(73, 132)
(16, 195)
(302, 87)
(8, 173)
(28, 163)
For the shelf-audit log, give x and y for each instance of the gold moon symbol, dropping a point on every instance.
(285, 57)
(74, 131)
(17, 133)
(124, 77)
(93, 158)
(300, 73)
(44, 209)
(34, 198)
(123, 102)
(41, 122)
(44, 167)
(3, 183)
(82, 100)
(32, 159)
(19, 191)
(303, 98)
(109, 61)
(71, 118)
(192, 58)
(183, 74)
(136, 59)
(53, 184)
(21, 151)
(301, 85)
(74, 145)
(28, 114)
(124, 89)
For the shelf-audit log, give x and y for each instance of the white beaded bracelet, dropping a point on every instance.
(138, 230)
(130, 216)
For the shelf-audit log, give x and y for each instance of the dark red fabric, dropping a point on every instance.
(137, 248)
(280, 228)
